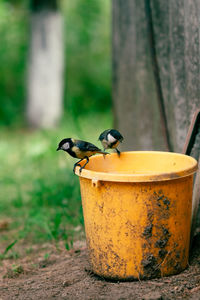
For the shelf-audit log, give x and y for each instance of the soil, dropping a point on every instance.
(54, 273)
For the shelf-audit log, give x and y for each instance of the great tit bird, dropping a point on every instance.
(110, 139)
(79, 149)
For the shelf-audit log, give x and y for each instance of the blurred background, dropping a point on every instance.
(55, 82)
(74, 69)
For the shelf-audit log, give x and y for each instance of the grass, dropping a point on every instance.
(39, 194)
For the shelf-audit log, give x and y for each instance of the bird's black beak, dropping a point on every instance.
(57, 149)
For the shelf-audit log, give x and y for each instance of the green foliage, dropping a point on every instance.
(38, 190)
(37, 5)
(87, 51)
(13, 56)
(9, 247)
(88, 68)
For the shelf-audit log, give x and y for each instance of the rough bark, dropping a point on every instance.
(177, 36)
(134, 90)
(45, 69)
(177, 32)
(176, 42)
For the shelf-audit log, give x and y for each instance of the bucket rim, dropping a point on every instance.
(128, 177)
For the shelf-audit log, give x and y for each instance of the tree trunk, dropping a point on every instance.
(45, 65)
(134, 90)
(177, 32)
(156, 60)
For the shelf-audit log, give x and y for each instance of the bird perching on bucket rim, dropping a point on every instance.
(79, 149)
(110, 139)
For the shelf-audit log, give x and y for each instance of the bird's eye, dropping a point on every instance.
(65, 146)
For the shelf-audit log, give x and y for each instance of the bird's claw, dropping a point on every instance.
(118, 152)
(81, 167)
(74, 168)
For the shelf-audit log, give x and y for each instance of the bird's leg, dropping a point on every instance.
(87, 161)
(118, 152)
(104, 154)
(77, 164)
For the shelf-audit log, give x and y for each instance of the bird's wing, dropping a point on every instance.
(116, 134)
(86, 146)
(103, 134)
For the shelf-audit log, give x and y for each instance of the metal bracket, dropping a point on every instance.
(192, 132)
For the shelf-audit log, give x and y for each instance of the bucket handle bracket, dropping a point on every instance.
(95, 182)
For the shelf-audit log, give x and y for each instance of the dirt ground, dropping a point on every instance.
(62, 274)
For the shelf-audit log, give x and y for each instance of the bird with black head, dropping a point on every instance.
(110, 139)
(79, 149)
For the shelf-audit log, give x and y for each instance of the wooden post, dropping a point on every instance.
(177, 32)
(156, 56)
(45, 65)
(134, 90)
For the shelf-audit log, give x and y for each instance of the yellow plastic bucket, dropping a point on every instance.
(137, 213)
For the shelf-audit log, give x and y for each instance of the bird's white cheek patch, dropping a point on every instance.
(111, 139)
(65, 146)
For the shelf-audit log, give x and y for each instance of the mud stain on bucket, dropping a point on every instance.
(150, 267)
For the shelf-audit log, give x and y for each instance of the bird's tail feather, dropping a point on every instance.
(103, 152)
